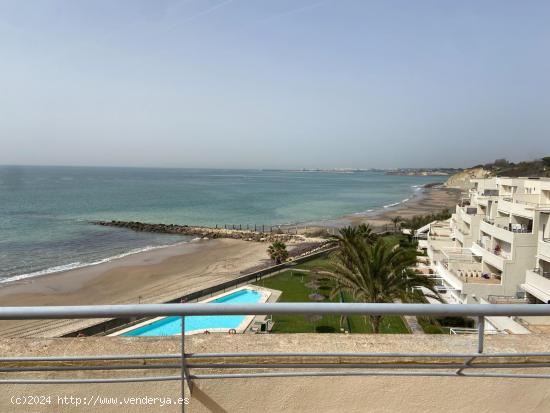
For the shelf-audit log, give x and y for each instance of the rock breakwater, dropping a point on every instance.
(204, 232)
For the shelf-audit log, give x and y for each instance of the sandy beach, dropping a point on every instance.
(430, 200)
(149, 277)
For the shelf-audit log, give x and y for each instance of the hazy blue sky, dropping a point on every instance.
(286, 83)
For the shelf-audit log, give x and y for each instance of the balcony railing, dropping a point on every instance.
(246, 365)
(518, 228)
(507, 299)
(531, 200)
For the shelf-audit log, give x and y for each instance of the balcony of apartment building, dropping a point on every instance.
(462, 272)
(482, 198)
(519, 298)
(440, 235)
(494, 251)
(520, 228)
(469, 213)
(537, 282)
(512, 229)
(520, 204)
(437, 246)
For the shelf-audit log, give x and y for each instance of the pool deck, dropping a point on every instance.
(273, 298)
(243, 327)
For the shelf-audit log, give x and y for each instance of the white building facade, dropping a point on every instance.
(497, 247)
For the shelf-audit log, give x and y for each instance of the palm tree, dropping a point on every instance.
(365, 231)
(379, 273)
(347, 235)
(277, 252)
(396, 221)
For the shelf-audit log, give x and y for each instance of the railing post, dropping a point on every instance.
(480, 333)
(183, 364)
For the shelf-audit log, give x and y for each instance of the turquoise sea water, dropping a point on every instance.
(45, 211)
(169, 326)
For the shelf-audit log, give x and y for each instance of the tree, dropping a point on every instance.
(379, 273)
(348, 234)
(278, 252)
(501, 162)
(396, 221)
(365, 231)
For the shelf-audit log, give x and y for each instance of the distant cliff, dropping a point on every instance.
(461, 179)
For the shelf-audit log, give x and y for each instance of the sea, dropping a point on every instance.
(46, 212)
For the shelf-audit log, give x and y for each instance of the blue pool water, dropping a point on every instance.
(169, 326)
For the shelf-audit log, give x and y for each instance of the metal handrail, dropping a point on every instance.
(184, 361)
(200, 309)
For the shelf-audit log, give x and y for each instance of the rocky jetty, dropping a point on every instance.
(203, 232)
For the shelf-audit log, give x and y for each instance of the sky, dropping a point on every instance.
(274, 83)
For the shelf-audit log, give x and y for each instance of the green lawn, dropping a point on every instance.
(317, 263)
(294, 289)
(293, 286)
(442, 325)
(431, 326)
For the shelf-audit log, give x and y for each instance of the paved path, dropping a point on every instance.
(413, 324)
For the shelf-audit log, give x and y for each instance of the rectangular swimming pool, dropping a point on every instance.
(169, 326)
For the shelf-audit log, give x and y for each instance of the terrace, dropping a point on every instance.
(221, 372)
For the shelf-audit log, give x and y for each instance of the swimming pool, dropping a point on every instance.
(169, 326)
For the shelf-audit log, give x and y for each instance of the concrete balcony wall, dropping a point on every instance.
(497, 232)
(481, 290)
(544, 249)
(299, 394)
(523, 210)
(487, 256)
(482, 200)
(466, 289)
(449, 277)
(467, 218)
(460, 237)
(538, 282)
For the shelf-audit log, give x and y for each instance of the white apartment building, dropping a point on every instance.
(497, 244)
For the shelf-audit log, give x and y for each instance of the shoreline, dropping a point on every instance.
(421, 201)
(430, 198)
(433, 199)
